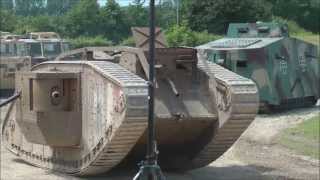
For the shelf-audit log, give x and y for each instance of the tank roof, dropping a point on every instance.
(44, 35)
(239, 43)
(259, 29)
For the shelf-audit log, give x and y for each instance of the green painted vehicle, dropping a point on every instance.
(285, 69)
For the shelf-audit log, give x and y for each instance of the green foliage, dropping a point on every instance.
(59, 7)
(8, 20)
(136, 15)
(6, 4)
(166, 14)
(215, 15)
(83, 19)
(180, 36)
(205, 37)
(37, 23)
(83, 41)
(294, 28)
(128, 42)
(30, 7)
(112, 21)
(201, 18)
(304, 12)
(184, 36)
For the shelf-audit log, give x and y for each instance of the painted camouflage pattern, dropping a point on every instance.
(285, 69)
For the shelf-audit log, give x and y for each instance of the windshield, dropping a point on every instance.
(51, 49)
(66, 46)
(22, 49)
(8, 49)
(35, 49)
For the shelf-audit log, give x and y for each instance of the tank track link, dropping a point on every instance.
(107, 153)
(237, 101)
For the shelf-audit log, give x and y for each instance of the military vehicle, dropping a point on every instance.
(3, 33)
(285, 69)
(43, 35)
(13, 57)
(87, 116)
(19, 54)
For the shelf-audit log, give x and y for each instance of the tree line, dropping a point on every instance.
(197, 18)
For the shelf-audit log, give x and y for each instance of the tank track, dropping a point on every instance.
(108, 152)
(237, 101)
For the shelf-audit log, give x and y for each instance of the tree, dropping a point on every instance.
(136, 14)
(30, 7)
(6, 4)
(59, 7)
(83, 19)
(113, 21)
(7, 20)
(215, 15)
(308, 16)
(166, 14)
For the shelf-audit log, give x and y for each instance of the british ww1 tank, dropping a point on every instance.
(285, 69)
(86, 117)
(19, 53)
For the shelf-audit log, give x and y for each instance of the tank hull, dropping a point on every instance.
(286, 70)
(118, 134)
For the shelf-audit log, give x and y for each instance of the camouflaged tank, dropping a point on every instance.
(285, 69)
(86, 112)
(18, 53)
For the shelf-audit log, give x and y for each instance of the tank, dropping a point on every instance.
(18, 54)
(285, 69)
(88, 116)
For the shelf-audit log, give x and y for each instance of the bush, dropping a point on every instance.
(205, 37)
(304, 12)
(128, 42)
(35, 24)
(7, 20)
(294, 28)
(83, 41)
(215, 15)
(184, 36)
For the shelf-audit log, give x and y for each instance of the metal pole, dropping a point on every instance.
(151, 125)
(178, 9)
(149, 169)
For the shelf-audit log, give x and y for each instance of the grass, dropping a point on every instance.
(304, 138)
(309, 37)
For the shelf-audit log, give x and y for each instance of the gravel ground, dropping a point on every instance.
(255, 156)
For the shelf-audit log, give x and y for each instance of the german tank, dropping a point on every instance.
(85, 117)
(285, 69)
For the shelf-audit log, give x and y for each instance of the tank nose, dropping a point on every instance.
(52, 100)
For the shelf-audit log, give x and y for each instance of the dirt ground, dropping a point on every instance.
(256, 156)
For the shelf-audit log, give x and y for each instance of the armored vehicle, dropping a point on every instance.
(19, 54)
(285, 69)
(43, 35)
(85, 117)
